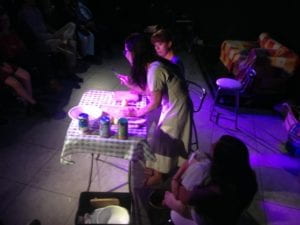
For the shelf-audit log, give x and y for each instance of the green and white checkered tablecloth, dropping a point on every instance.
(135, 147)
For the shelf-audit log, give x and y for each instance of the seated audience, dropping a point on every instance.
(84, 32)
(229, 192)
(14, 51)
(84, 18)
(59, 41)
(11, 46)
(20, 81)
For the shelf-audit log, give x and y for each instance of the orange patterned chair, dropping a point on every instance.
(231, 51)
(273, 62)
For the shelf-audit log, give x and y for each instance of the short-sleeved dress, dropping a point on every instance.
(170, 140)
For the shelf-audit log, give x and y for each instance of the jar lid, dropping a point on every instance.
(104, 119)
(83, 115)
(122, 120)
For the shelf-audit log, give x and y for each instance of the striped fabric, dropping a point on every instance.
(230, 52)
(280, 56)
(135, 148)
(265, 41)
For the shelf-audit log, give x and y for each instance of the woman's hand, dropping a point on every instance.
(127, 81)
(177, 178)
(174, 204)
(170, 200)
(7, 68)
(124, 79)
(129, 112)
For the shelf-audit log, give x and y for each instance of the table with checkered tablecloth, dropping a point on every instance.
(135, 146)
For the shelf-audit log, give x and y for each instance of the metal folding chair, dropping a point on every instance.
(197, 95)
(233, 87)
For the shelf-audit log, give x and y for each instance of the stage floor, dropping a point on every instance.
(35, 185)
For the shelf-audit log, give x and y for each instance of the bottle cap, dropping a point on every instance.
(123, 120)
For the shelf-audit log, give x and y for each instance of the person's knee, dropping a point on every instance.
(71, 25)
(70, 29)
(84, 38)
(73, 44)
(12, 82)
(23, 74)
(92, 36)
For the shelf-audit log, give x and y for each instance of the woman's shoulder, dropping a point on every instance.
(157, 66)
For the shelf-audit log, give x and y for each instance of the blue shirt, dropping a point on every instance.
(178, 62)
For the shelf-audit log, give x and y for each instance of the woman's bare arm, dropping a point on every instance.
(155, 98)
(176, 205)
(126, 81)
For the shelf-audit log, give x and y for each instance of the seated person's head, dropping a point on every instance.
(233, 183)
(4, 20)
(162, 41)
(230, 158)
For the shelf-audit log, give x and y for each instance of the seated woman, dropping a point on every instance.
(231, 188)
(156, 77)
(19, 79)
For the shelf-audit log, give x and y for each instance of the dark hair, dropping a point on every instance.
(143, 53)
(161, 35)
(230, 160)
(233, 184)
(2, 11)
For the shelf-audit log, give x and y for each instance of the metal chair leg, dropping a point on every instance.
(214, 104)
(237, 105)
(196, 143)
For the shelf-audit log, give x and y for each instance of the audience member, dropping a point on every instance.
(61, 40)
(11, 45)
(80, 15)
(157, 78)
(163, 44)
(84, 18)
(231, 188)
(14, 51)
(20, 81)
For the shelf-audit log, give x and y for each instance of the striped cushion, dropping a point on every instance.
(288, 64)
(265, 41)
(279, 55)
(231, 51)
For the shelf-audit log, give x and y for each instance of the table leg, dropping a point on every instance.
(91, 173)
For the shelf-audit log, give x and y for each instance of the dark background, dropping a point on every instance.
(213, 21)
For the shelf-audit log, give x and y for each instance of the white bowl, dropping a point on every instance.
(93, 112)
